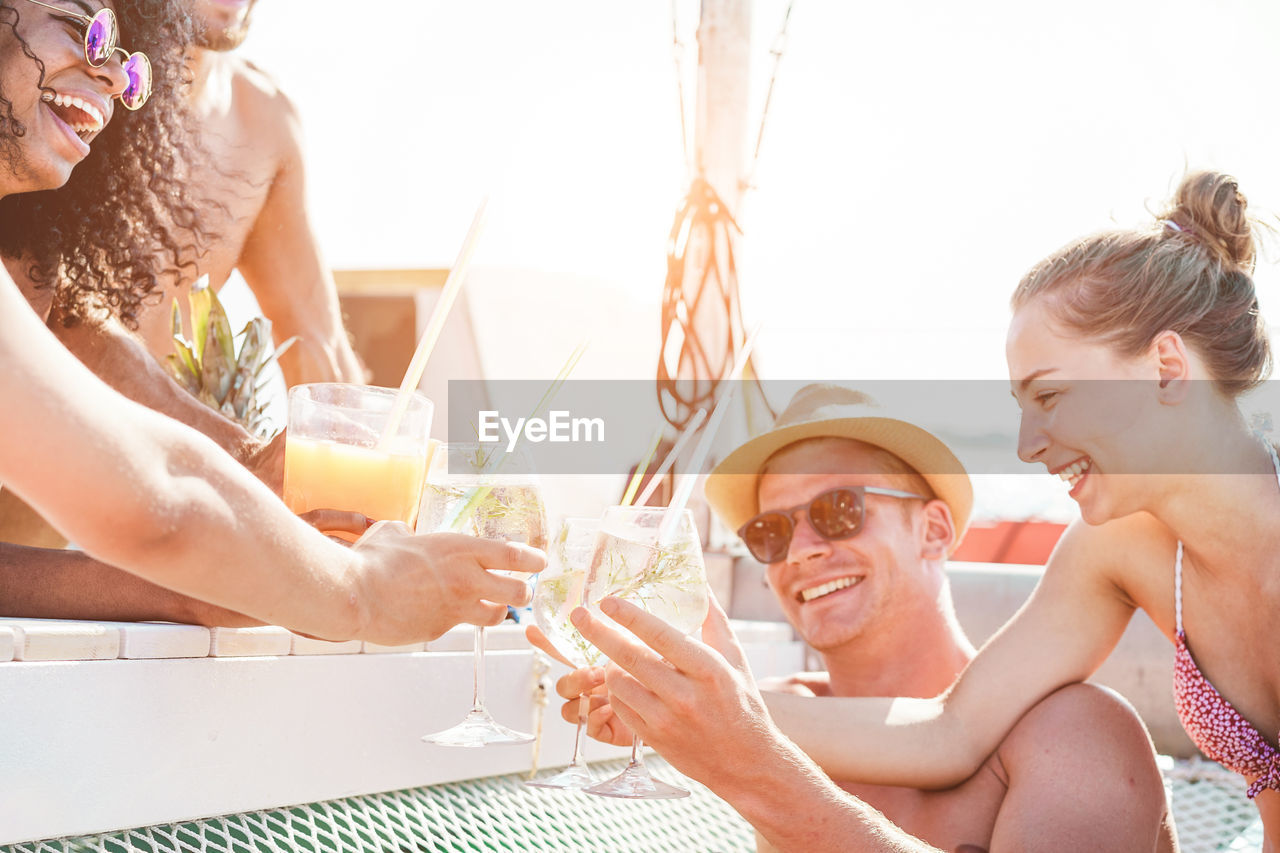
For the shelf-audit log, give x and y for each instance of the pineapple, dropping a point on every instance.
(209, 366)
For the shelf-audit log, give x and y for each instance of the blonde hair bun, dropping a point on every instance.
(1191, 275)
(1209, 207)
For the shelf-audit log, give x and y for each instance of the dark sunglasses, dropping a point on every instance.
(834, 514)
(101, 41)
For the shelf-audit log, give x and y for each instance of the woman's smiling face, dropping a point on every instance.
(62, 114)
(1089, 414)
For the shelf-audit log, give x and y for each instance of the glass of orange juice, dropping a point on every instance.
(336, 456)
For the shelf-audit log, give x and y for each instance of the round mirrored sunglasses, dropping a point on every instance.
(101, 40)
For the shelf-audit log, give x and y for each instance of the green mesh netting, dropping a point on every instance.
(1210, 809)
(501, 814)
(492, 814)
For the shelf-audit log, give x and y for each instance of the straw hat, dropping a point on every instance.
(835, 411)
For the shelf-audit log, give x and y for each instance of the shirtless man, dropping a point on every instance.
(254, 141)
(1076, 773)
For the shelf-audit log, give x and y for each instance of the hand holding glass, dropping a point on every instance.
(476, 490)
(562, 587)
(667, 579)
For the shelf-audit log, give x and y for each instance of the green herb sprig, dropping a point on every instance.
(489, 466)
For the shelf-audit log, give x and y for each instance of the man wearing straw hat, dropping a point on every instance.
(855, 512)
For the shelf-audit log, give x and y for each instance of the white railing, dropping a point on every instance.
(109, 726)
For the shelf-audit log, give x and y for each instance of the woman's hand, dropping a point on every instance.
(602, 723)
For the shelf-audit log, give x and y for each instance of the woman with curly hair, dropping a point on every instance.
(93, 242)
(113, 238)
(138, 490)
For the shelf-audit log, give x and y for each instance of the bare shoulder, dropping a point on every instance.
(1078, 728)
(259, 98)
(1116, 541)
(264, 114)
(1082, 775)
(1127, 553)
(253, 83)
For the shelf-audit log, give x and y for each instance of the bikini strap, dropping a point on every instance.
(1177, 586)
(1275, 461)
(1177, 565)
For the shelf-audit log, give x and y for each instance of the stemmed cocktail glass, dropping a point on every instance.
(484, 492)
(562, 587)
(659, 568)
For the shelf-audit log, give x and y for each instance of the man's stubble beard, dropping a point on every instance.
(225, 39)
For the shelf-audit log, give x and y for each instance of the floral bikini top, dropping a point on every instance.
(1213, 724)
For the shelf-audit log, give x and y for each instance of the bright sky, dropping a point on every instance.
(919, 157)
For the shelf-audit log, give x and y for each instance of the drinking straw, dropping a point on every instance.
(561, 377)
(488, 467)
(433, 444)
(642, 467)
(685, 437)
(684, 490)
(452, 284)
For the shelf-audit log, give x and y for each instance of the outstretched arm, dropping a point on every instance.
(284, 268)
(1061, 635)
(120, 359)
(56, 583)
(48, 583)
(140, 491)
(697, 705)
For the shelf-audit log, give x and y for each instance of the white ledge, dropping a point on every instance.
(100, 745)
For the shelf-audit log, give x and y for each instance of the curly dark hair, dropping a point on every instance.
(126, 223)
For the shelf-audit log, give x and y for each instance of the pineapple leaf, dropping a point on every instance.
(275, 356)
(184, 361)
(200, 298)
(177, 323)
(255, 345)
(220, 331)
(182, 368)
(242, 393)
(212, 369)
(215, 375)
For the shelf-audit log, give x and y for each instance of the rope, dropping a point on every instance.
(777, 50)
(677, 55)
(690, 369)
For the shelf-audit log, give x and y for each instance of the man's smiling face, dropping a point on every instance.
(834, 592)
